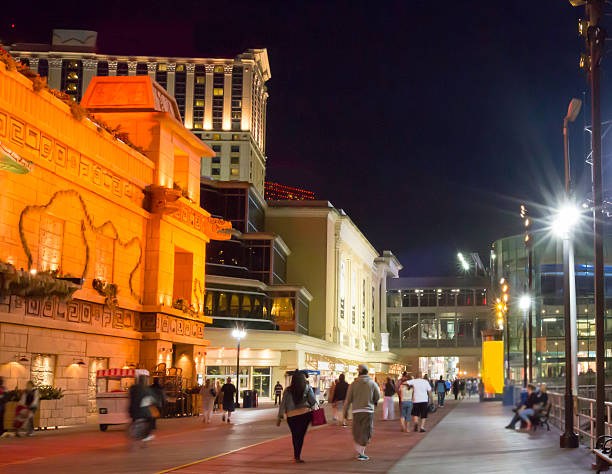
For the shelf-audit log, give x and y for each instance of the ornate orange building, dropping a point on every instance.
(102, 239)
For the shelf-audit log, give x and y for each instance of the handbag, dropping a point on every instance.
(154, 411)
(318, 417)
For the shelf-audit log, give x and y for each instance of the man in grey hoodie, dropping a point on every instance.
(363, 394)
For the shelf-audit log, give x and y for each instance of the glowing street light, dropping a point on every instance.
(567, 218)
(525, 302)
(238, 333)
(464, 264)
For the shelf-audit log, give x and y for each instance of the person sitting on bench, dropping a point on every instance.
(527, 409)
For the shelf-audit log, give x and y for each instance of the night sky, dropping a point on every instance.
(427, 122)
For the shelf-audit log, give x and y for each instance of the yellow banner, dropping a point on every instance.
(493, 366)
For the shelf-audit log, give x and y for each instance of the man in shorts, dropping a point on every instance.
(421, 399)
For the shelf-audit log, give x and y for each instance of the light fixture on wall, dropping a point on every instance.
(79, 362)
(22, 358)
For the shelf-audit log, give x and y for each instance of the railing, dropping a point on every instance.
(584, 417)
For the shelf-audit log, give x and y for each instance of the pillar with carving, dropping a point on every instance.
(189, 95)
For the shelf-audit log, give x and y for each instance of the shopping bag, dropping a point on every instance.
(154, 411)
(318, 417)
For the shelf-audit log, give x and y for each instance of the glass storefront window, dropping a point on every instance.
(428, 326)
(394, 299)
(261, 381)
(465, 331)
(428, 298)
(448, 329)
(410, 330)
(409, 299)
(393, 325)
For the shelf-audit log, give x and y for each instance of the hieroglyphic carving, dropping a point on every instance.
(165, 324)
(40, 146)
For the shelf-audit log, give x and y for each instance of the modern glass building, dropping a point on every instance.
(509, 260)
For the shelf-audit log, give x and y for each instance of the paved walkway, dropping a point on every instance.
(472, 438)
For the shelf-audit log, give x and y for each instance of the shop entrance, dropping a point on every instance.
(261, 381)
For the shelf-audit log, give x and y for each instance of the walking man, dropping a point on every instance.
(338, 398)
(363, 394)
(440, 388)
(421, 399)
(278, 393)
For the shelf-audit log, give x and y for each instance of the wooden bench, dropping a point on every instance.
(603, 450)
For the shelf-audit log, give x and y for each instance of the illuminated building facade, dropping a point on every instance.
(439, 321)
(102, 241)
(280, 192)
(510, 262)
(222, 101)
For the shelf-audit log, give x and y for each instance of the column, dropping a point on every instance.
(54, 78)
(247, 85)
(112, 68)
(189, 95)
(263, 122)
(208, 97)
(34, 64)
(227, 96)
(384, 334)
(132, 66)
(171, 72)
(90, 68)
(151, 70)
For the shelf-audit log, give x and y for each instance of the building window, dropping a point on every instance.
(180, 67)
(197, 125)
(235, 148)
(215, 171)
(199, 102)
(162, 67)
(235, 160)
(353, 297)
(216, 148)
(42, 371)
(216, 136)
(218, 91)
(201, 80)
(341, 291)
(235, 136)
(363, 304)
(51, 240)
(216, 160)
(218, 68)
(72, 75)
(234, 172)
(105, 257)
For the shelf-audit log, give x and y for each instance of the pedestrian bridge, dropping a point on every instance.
(472, 438)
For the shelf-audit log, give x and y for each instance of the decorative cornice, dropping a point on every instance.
(55, 62)
(132, 66)
(90, 64)
(171, 67)
(151, 67)
(190, 68)
(209, 68)
(228, 68)
(112, 65)
(33, 62)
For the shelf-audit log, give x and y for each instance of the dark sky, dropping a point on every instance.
(428, 122)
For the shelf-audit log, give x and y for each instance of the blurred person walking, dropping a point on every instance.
(296, 404)
(30, 399)
(228, 397)
(209, 395)
(218, 399)
(456, 388)
(140, 399)
(405, 393)
(159, 397)
(278, 393)
(421, 399)
(338, 399)
(363, 395)
(388, 391)
(2, 405)
(440, 389)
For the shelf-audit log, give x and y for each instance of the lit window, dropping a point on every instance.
(218, 68)
(235, 136)
(71, 87)
(180, 67)
(162, 67)
(216, 136)
(72, 75)
(199, 103)
(215, 171)
(236, 115)
(197, 125)
(236, 103)
(200, 79)
(73, 64)
(51, 239)
(218, 91)
(105, 256)
(234, 172)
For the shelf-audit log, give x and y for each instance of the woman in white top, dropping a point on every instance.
(405, 393)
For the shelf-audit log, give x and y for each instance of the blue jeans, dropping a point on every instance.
(441, 396)
(405, 409)
(525, 414)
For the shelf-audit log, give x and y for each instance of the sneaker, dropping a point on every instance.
(422, 430)
(149, 438)
(30, 434)
(363, 457)
(509, 427)
(228, 420)
(344, 425)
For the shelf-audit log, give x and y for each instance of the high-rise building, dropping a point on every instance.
(280, 192)
(222, 101)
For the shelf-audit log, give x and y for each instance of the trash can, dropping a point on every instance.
(247, 399)
(508, 396)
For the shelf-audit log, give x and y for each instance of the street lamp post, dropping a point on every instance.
(525, 304)
(238, 334)
(529, 247)
(566, 219)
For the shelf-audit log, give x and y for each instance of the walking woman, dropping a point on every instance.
(298, 400)
(209, 395)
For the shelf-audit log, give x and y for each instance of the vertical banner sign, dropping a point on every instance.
(493, 366)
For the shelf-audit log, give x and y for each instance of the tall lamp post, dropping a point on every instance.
(525, 304)
(238, 334)
(565, 220)
(529, 247)
(595, 35)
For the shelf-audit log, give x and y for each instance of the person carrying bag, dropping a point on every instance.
(297, 404)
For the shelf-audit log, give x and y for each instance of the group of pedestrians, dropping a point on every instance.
(23, 420)
(532, 401)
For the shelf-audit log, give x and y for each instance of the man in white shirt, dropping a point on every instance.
(421, 399)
